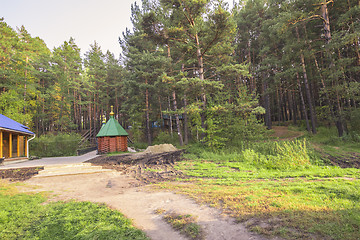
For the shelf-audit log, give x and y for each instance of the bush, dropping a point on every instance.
(51, 145)
(165, 137)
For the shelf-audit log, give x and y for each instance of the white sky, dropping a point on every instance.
(56, 21)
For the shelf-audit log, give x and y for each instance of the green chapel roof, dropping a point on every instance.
(112, 128)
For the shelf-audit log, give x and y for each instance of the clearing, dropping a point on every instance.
(135, 198)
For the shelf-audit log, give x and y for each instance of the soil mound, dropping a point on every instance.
(160, 148)
(148, 167)
(19, 174)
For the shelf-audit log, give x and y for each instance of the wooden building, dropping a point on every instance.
(112, 137)
(14, 138)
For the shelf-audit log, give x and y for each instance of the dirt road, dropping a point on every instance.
(140, 203)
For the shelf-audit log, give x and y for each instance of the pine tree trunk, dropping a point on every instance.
(170, 118)
(177, 119)
(295, 116)
(75, 110)
(286, 110)
(339, 122)
(303, 103)
(148, 134)
(268, 122)
(186, 128)
(201, 76)
(307, 88)
(278, 107)
(160, 108)
(90, 121)
(326, 21)
(175, 107)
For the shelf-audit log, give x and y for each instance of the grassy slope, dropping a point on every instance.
(24, 216)
(308, 202)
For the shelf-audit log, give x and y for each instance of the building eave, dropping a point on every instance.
(11, 130)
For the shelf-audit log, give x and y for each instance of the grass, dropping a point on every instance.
(184, 223)
(25, 216)
(306, 201)
(329, 141)
(116, 153)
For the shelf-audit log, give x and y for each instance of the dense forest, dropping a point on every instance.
(197, 69)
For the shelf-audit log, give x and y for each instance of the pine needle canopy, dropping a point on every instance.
(111, 129)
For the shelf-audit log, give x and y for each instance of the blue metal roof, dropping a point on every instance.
(10, 124)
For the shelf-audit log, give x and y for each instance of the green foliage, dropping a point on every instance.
(139, 145)
(12, 107)
(214, 134)
(165, 137)
(355, 123)
(62, 144)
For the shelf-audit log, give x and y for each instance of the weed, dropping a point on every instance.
(185, 224)
(160, 211)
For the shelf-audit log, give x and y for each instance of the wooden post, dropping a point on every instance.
(18, 145)
(10, 145)
(1, 144)
(26, 146)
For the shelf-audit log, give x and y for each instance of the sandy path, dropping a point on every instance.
(284, 133)
(139, 203)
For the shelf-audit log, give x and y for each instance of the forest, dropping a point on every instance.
(196, 70)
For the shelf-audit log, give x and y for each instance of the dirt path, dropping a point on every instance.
(283, 133)
(139, 203)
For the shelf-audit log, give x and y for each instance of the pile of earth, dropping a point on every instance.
(161, 148)
(19, 174)
(155, 164)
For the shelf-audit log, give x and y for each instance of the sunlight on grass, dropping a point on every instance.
(310, 202)
(24, 216)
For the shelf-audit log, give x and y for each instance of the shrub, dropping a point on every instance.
(165, 137)
(51, 145)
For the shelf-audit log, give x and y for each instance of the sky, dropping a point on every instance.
(55, 21)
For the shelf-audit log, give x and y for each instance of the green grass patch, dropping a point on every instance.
(185, 224)
(329, 141)
(25, 216)
(116, 153)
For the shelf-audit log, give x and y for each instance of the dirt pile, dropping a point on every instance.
(147, 167)
(19, 174)
(160, 148)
